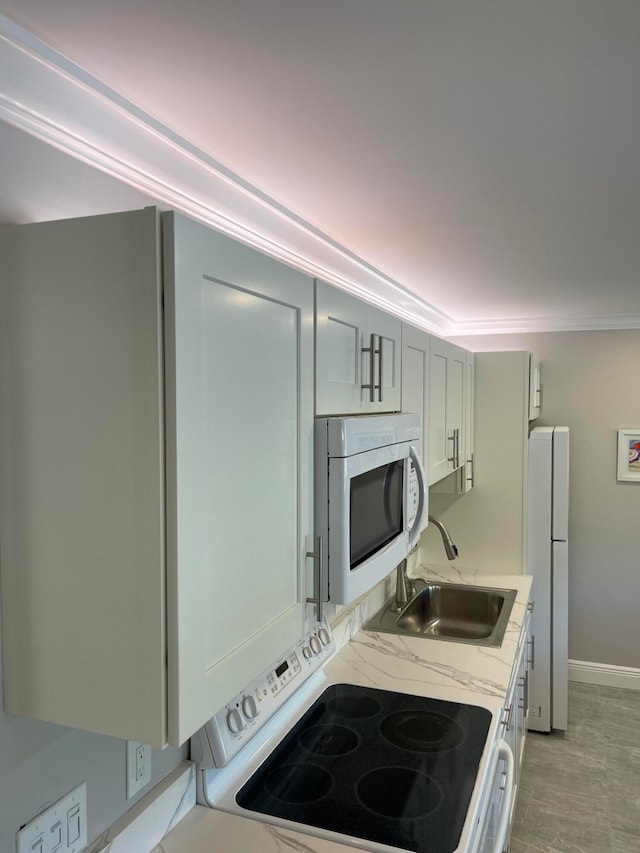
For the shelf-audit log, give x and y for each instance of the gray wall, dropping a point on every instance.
(590, 384)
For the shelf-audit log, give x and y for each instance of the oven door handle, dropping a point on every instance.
(422, 498)
(504, 752)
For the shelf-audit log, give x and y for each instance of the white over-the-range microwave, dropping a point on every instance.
(370, 499)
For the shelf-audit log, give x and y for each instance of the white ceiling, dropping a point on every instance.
(481, 153)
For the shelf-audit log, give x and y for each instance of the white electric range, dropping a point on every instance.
(379, 770)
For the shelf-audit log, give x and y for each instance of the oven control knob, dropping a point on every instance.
(250, 708)
(307, 653)
(325, 639)
(316, 648)
(235, 723)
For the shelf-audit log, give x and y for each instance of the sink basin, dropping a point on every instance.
(453, 612)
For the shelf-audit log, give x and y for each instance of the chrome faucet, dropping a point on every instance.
(450, 549)
(405, 587)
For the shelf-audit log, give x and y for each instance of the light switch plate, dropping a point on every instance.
(138, 767)
(62, 828)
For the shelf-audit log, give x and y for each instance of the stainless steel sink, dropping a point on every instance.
(453, 612)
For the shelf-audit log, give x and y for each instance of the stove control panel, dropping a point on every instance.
(229, 730)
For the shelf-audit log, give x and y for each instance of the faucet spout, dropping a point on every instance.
(450, 549)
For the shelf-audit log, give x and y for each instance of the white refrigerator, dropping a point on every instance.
(548, 562)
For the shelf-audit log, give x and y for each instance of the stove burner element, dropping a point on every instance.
(421, 731)
(329, 740)
(298, 783)
(398, 792)
(353, 707)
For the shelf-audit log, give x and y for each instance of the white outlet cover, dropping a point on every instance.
(138, 767)
(41, 827)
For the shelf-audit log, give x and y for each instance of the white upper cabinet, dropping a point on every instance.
(448, 368)
(415, 385)
(239, 424)
(158, 417)
(535, 387)
(358, 355)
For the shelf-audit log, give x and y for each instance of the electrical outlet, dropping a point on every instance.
(62, 828)
(138, 767)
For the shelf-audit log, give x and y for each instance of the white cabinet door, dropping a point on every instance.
(340, 329)
(239, 424)
(446, 408)
(415, 385)
(358, 355)
(385, 332)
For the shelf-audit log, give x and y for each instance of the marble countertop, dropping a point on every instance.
(458, 672)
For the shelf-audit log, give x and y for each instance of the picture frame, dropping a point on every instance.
(629, 455)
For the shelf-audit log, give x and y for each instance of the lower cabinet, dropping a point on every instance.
(156, 433)
(509, 749)
(516, 712)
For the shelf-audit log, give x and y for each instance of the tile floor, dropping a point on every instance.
(580, 792)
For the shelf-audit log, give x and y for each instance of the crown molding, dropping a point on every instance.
(604, 322)
(56, 101)
(51, 98)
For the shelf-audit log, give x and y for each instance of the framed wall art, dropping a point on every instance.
(629, 455)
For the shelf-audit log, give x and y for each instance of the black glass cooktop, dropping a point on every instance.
(376, 765)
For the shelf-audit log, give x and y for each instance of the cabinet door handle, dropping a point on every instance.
(455, 457)
(318, 557)
(471, 463)
(371, 349)
(380, 339)
(531, 662)
(530, 606)
(506, 719)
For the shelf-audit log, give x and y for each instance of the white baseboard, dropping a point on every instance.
(606, 675)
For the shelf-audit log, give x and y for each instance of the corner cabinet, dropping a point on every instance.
(156, 436)
(447, 448)
(358, 355)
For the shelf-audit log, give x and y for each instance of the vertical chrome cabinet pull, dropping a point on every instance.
(455, 458)
(530, 606)
(531, 662)
(452, 458)
(506, 720)
(371, 349)
(380, 339)
(471, 463)
(318, 557)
